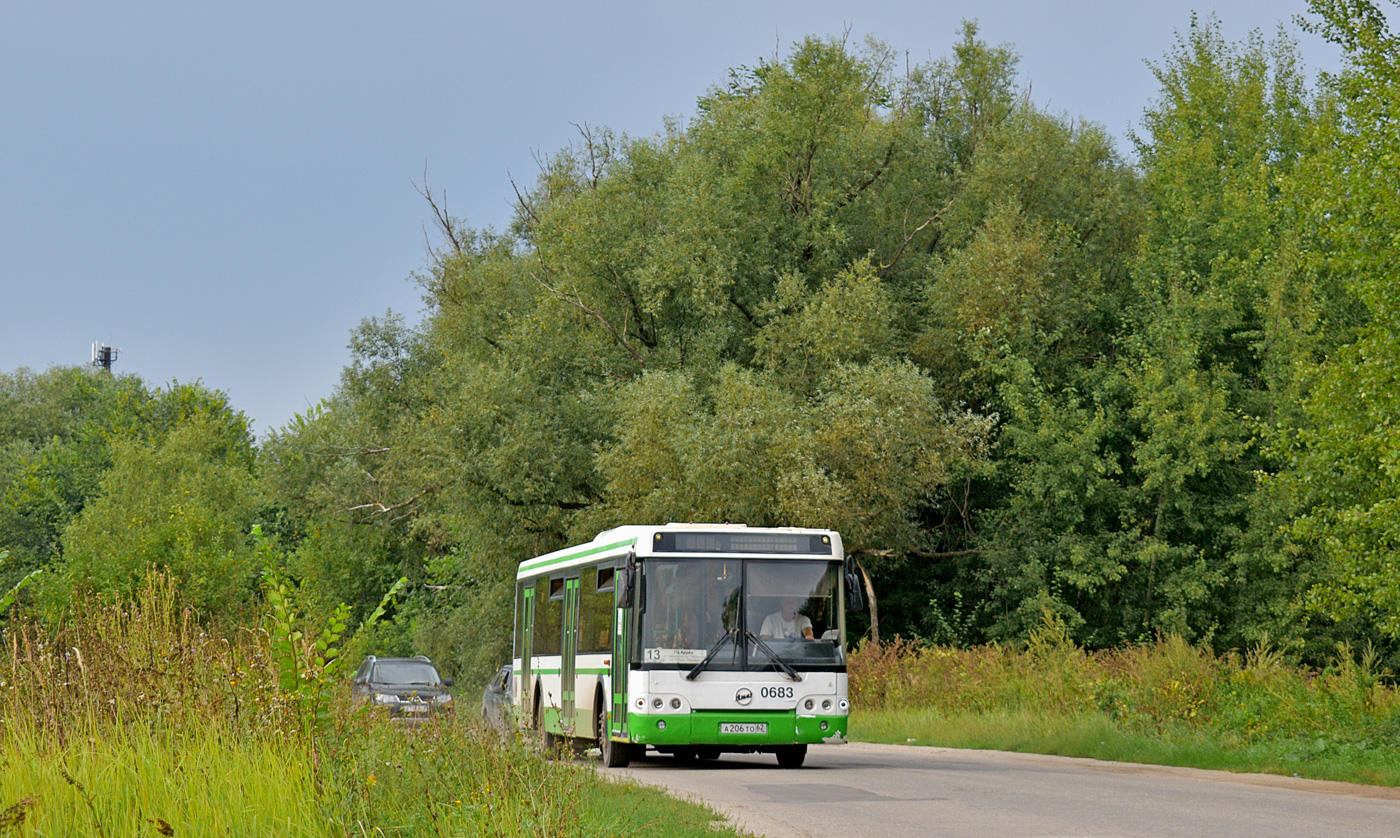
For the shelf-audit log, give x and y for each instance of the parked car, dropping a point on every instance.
(498, 700)
(408, 688)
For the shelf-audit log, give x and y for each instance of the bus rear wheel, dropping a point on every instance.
(549, 743)
(615, 754)
(791, 756)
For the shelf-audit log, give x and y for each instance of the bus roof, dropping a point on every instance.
(645, 541)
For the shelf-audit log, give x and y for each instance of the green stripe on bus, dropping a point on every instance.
(531, 566)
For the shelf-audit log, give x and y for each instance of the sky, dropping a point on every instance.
(224, 191)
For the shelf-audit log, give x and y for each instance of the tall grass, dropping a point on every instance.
(136, 719)
(1167, 701)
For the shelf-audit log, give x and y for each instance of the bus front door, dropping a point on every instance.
(618, 663)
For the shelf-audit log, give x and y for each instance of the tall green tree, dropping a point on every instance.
(180, 497)
(1346, 476)
(1135, 506)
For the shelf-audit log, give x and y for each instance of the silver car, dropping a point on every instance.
(498, 701)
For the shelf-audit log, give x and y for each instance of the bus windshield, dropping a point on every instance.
(718, 610)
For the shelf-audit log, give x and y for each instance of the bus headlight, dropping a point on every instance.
(809, 703)
(675, 704)
(656, 703)
(826, 704)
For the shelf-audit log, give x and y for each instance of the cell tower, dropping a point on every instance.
(103, 355)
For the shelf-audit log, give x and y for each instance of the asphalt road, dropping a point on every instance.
(889, 791)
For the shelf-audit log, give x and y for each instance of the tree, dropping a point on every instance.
(55, 443)
(182, 502)
(1346, 476)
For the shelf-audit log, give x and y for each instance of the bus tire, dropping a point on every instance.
(549, 743)
(791, 756)
(614, 754)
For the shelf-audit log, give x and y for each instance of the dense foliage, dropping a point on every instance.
(1022, 375)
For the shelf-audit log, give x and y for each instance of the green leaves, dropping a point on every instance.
(308, 668)
(9, 596)
(183, 503)
(1345, 457)
(873, 443)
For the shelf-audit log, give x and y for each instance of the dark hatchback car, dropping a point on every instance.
(498, 701)
(408, 688)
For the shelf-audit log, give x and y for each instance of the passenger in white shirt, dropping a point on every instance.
(786, 624)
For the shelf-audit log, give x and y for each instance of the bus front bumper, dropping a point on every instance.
(750, 729)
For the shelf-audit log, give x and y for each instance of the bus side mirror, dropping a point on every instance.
(627, 591)
(855, 601)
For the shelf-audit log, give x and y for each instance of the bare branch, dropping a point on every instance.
(577, 302)
(381, 509)
(909, 236)
(522, 201)
(595, 151)
(448, 227)
(923, 554)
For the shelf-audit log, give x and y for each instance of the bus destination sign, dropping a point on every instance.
(796, 544)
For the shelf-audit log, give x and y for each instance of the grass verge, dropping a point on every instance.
(133, 719)
(1166, 703)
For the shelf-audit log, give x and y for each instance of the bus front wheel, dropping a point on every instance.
(615, 754)
(791, 756)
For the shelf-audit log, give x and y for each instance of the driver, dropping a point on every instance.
(786, 623)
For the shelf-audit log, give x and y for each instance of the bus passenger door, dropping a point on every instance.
(618, 665)
(524, 693)
(567, 676)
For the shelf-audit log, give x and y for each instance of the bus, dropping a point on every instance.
(690, 639)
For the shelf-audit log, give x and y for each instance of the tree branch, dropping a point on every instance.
(923, 554)
(381, 509)
(909, 237)
(446, 225)
(577, 302)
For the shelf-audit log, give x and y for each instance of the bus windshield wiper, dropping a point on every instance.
(714, 650)
(773, 656)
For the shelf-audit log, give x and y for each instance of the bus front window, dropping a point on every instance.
(792, 606)
(689, 606)
(699, 610)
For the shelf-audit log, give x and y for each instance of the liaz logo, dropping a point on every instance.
(744, 695)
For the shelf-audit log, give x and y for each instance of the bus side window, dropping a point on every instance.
(549, 616)
(595, 610)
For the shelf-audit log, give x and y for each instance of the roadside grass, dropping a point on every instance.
(111, 779)
(134, 719)
(1166, 703)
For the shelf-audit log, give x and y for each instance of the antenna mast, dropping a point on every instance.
(103, 355)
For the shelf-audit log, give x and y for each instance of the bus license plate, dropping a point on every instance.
(743, 727)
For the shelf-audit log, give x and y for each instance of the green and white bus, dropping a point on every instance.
(690, 639)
